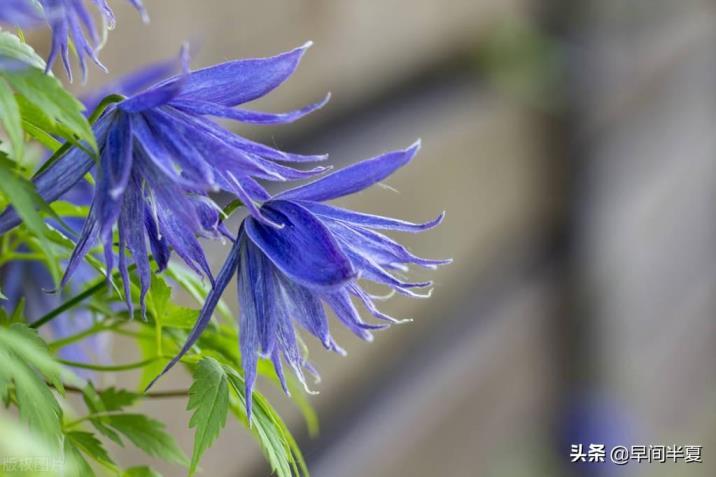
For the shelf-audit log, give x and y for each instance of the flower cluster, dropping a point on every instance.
(72, 26)
(161, 156)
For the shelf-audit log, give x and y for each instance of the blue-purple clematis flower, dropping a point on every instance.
(160, 155)
(286, 274)
(72, 24)
(21, 13)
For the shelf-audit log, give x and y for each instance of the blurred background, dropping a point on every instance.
(573, 145)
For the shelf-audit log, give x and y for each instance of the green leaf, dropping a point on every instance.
(117, 399)
(277, 443)
(149, 436)
(148, 350)
(12, 47)
(76, 461)
(21, 193)
(96, 405)
(55, 110)
(141, 472)
(209, 397)
(36, 403)
(91, 447)
(36, 353)
(11, 119)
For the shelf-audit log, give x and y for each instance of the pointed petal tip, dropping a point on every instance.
(305, 46)
(415, 147)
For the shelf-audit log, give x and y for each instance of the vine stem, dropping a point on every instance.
(75, 300)
(110, 368)
(175, 393)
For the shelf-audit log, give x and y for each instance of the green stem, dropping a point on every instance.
(173, 393)
(93, 415)
(98, 328)
(75, 300)
(111, 368)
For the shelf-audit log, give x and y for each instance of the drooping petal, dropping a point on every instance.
(304, 249)
(340, 302)
(383, 250)
(306, 309)
(253, 117)
(236, 82)
(131, 227)
(352, 178)
(368, 220)
(158, 244)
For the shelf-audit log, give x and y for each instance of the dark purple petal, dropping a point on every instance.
(303, 249)
(352, 178)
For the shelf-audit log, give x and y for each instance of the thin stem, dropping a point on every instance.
(68, 304)
(97, 328)
(111, 368)
(93, 415)
(175, 393)
(77, 299)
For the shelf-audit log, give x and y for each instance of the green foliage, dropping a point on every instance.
(149, 436)
(209, 397)
(26, 365)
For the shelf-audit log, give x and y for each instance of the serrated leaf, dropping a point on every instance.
(36, 404)
(36, 353)
(117, 399)
(149, 436)
(91, 447)
(76, 461)
(11, 119)
(209, 398)
(95, 405)
(277, 443)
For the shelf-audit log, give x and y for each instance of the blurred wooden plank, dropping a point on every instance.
(359, 46)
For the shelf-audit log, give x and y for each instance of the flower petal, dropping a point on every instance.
(236, 82)
(368, 220)
(253, 117)
(304, 249)
(352, 178)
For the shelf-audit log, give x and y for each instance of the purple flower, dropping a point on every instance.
(159, 157)
(21, 13)
(72, 23)
(317, 256)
